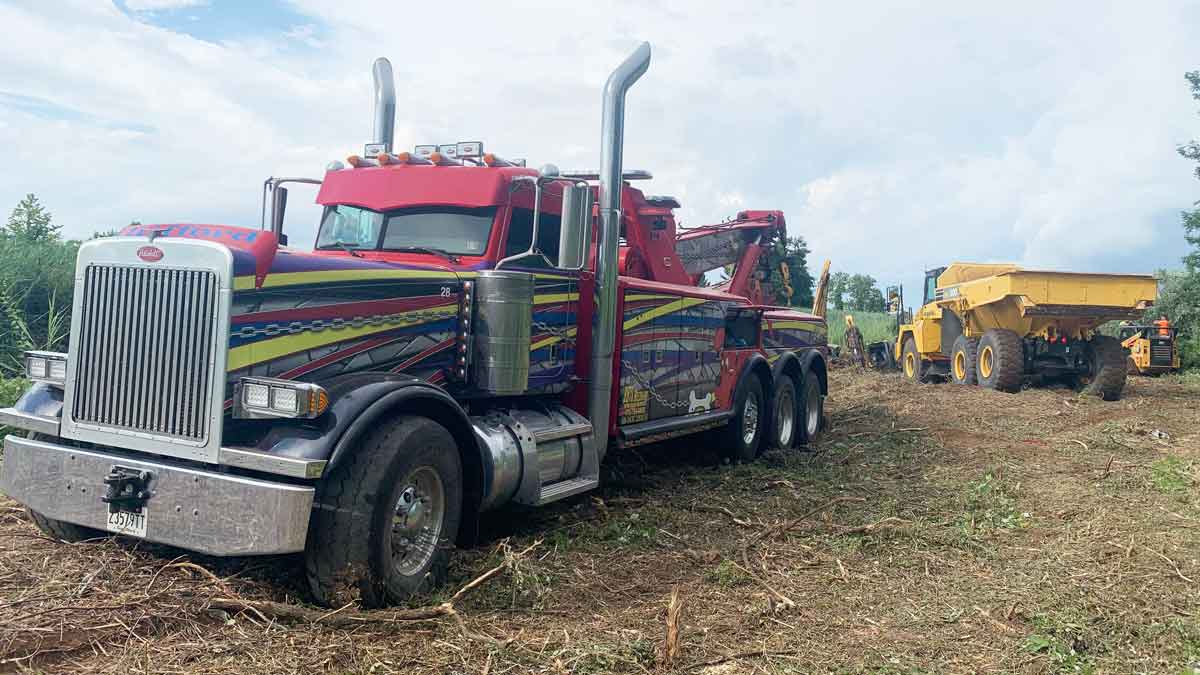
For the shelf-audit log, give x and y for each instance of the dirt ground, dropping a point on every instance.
(936, 529)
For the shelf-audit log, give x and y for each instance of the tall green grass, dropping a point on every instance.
(874, 326)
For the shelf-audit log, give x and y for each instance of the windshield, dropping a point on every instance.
(456, 230)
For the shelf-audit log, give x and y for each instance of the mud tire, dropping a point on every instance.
(915, 368)
(349, 551)
(734, 445)
(809, 427)
(785, 413)
(1000, 361)
(964, 360)
(1109, 368)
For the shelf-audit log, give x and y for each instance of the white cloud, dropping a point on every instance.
(160, 5)
(892, 136)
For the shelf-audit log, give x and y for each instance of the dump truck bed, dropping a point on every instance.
(1062, 294)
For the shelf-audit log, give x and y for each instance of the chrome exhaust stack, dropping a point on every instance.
(604, 317)
(385, 103)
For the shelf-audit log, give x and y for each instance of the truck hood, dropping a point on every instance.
(259, 260)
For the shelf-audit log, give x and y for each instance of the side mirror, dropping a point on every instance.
(576, 234)
(278, 207)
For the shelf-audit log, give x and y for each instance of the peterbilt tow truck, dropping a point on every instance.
(467, 332)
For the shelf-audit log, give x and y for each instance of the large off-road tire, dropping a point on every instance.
(1000, 361)
(785, 413)
(915, 368)
(812, 410)
(964, 357)
(60, 529)
(744, 433)
(1108, 366)
(384, 522)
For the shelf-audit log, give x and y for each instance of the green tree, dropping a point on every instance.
(36, 284)
(838, 283)
(1191, 219)
(30, 221)
(792, 252)
(864, 295)
(1179, 292)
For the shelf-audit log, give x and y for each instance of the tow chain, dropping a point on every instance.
(318, 325)
(646, 385)
(561, 334)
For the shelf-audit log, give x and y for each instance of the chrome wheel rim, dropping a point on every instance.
(417, 520)
(785, 415)
(812, 411)
(749, 420)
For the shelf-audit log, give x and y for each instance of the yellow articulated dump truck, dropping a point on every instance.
(1000, 326)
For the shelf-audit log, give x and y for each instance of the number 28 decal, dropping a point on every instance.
(445, 292)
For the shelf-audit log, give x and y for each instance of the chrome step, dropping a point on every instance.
(567, 488)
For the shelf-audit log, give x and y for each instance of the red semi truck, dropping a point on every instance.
(467, 332)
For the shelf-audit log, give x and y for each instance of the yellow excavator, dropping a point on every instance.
(1000, 326)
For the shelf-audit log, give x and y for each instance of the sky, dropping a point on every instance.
(895, 136)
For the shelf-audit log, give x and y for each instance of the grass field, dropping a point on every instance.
(936, 529)
(875, 326)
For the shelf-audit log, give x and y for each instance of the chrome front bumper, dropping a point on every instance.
(195, 509)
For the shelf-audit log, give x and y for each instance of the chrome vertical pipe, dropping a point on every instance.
(385, 103)
(604, 315)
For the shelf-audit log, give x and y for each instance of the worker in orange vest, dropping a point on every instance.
(1164, 326)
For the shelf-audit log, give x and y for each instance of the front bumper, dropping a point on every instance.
(195, 509)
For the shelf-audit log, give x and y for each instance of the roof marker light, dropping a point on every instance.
(354, 161)
(409, 158)
(443, 160)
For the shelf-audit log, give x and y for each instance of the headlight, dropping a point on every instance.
(48, 367)
(259, 397)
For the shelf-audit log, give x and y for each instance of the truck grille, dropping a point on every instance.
(145, 350)
(1161, 353)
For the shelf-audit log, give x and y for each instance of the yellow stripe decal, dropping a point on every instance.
(273, 348)
(546, 342)
(554, 298)
(676, 305)
(812, 325)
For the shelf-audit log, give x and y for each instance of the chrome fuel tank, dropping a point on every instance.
(503, 320)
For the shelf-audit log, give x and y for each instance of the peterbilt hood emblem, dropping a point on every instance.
(150, 253)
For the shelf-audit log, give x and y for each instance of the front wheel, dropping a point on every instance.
(385, 521)
(916, 369)
(743, 434)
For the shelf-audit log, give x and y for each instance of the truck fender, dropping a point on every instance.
(756, 365)
(788, 364)
(359, 401)
(41, 399)
(813, 362)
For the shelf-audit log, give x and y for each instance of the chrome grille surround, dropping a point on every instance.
(148, 346)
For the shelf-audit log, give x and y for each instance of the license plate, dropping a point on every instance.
(128, 522)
